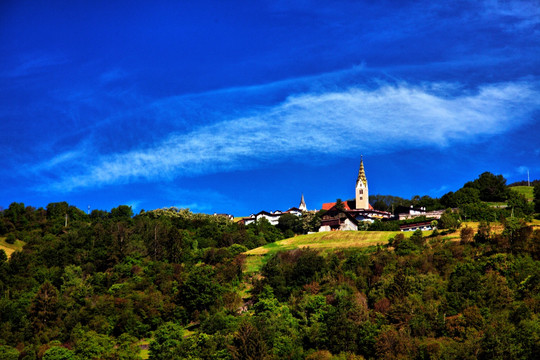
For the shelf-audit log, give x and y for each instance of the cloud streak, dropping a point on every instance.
(340, 123)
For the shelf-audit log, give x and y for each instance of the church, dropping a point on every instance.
(348, 214)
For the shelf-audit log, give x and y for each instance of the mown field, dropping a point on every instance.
(331, 240)
(10, 248)
(525, 190)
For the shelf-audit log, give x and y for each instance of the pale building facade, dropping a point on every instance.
(362, 194)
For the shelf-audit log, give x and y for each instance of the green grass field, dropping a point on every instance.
(525, 190)
(326, 241)
(257, 257)
(10, 248)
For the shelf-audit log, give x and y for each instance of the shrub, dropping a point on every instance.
(11, 238)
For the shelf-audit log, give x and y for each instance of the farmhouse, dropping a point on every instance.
(404, 212)
(422, 225)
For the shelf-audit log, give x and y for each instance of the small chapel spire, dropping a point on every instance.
(302, 205)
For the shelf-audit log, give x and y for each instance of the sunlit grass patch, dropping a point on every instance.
(11, 248)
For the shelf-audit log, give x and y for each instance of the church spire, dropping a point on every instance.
(302, 205)
(361, 172)
(362, 194)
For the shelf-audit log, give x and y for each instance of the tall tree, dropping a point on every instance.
(492, 187)
(537, 198)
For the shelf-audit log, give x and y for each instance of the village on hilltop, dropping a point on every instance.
(349, 214)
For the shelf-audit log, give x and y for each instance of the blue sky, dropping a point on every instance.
(242, 106)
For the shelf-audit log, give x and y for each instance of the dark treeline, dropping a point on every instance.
(525, 183)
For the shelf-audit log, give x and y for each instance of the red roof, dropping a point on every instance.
(328, 206)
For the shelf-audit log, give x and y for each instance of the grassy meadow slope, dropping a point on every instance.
(322, 241)
(326, 241)
(525, 190)
(10, 248)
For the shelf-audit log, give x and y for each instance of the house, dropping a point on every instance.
(404, 212)
(228, 216)
(335, 219)
(421, 225)
(273, 217)
(295, 211)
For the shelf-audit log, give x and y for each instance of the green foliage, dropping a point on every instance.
(122, 212)
(93, 289)
(467, 195)
(168, 342)
(59, 353)
(519, 204)
(491, 187)
(248, 343)
(405, 246)
(340, 206)
(11, 238)
(8, 353)
(537, 198)
(288, 270)
(91, 345)
(449, 220)
(290, 222)
(378, 225)
(200, 291)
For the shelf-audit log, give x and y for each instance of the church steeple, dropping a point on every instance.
(361, 172)
(302, 205)
(362, 195)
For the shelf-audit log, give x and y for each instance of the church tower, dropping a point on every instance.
(302, 205)
(362, 195)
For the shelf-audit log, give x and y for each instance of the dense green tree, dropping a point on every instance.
(519, 204)
(492, 187)
(536, 193)
(340, 206)
(59, 353)
(44, 308)
(448, 200)
(466, 235)
(91, 345)
(466, 195)
(122, 212)
(248, 343)
(8, 353)
(57, 210)
(449, 220)
(167, 343)
(201, 290)
(290, 222)
(126, 348)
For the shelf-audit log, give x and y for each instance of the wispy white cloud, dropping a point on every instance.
(524, 14)
(33, 63)
(305, 126)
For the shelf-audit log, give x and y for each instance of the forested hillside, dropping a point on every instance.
(98, 286)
